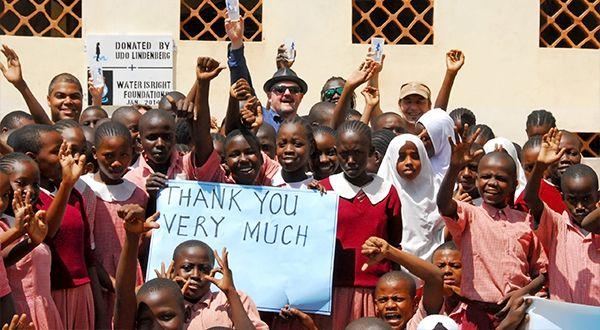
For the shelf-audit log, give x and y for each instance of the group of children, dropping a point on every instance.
(435, 216)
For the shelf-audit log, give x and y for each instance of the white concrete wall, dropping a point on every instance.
(506, 74)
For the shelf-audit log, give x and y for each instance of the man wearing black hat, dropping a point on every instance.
(285, 91)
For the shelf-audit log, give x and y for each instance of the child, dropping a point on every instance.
(435, 126)
(324, 160)
(548, 192)
(381, 140)
(321, 113)
(218, 144)
(65, 93)
(508, 147)
(130, 117)
(30, 277)
(72, 134)
(106, 191)
(480, 232)
(9, 123)
(193, 262)
(159, 303)
(466, 189)
(390, 121)
(407, 167)
(395, 293)
(73, 276)
(485, 133)
(462, 116)
(572, 155)
(295, 145)
(91, 115)
(447, 258)
(573, 251)
(539, 122)
(267, 137)
(368, 206)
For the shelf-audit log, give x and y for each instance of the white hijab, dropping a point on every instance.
(439, 126)
(509, 147)
(423, 228)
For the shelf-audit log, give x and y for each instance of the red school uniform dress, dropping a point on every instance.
(362, 212)
(500, 254)
(71, 256)
(574, 259)
(548, 194)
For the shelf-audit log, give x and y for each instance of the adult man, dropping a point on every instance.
(285, 91)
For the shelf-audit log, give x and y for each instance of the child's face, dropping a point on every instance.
(324, 161)
(293, 149)
(159, 310)
(267, 144)
(219, 147)
(5, 191)
(537, 130)
(468, 174)
(243, 160)
(374, 162)
(158, 140)
(47, 158)
(90, 117)
(495, 182)
(131, 120)
(426, 139)
(114, 157)
(65, 101)
(194, 263)
(528, 159)
(571, 156)
(580, 195)
(75, 139)
(394, 304)
(409, 163)
(353, 150)
(26, 177)
(449, 262)
(391, 123)
(414, 106)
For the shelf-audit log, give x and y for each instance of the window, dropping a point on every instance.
(408, 22)
(45, 18)
(570, 23)
(591, 144)
(205, 19)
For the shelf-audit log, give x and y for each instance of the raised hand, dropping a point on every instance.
(371, 95)
(133, 219)
(170, 274)
(207, 69)
(241, 90)
(282, 61)
(225, 283)
(251, 113)
(95, 92)
(362, 74)
(19, 322)
(38, 227)
(22, 209)
(12, 71)
(454, 60)
(376, 249)
(316, 185)
(550, 151)
(461, 195)
(461, 151)
(235, 32)
(183, 108)
(377, 67)
(72, 165)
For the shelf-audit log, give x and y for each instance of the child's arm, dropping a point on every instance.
(374, 82)
(461, 156)
(135, 226)
(591, 222)
(239, 317)
(72, 168)
(13, 74)
(371, 95)
(357, 78)
(454, 61)
(206, 70)
(517, 316)
(377, 249)
(252, 116)
(550, 153)
(288, 312)
(95, 93)
(512, 299)
(36, 228)
(239, 91)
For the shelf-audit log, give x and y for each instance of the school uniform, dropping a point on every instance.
(499, 253)
(180, 167)
(574, 267)
(213, 311)
(362, 212)
(548, 194)
(29, 282)
(71, 256)
(278, 181)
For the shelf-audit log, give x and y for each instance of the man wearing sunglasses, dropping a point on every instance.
(285, 91)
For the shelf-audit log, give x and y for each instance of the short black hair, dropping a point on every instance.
(247, 135)
(397, 276)
(322, 129)
(64, 77)
(12, 119)
(193, 243)
(308, 129)
(449, 245)
(111, 129)
(580, 171)
(163, 284)
(8, 162)
(183, 132)
(381, 140)
(356, 126)
(352, 113)
(533, 142)
(28, 138)
(63, 124)
(155, 113)
(486, 132)
(368, 323)
(319, 111)
(540, 117)
(377, 121)
(268, 131)
(504, 156)
(465, 115)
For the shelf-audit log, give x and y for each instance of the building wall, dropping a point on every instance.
(506, 74)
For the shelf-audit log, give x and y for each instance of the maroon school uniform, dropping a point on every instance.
(548, 194)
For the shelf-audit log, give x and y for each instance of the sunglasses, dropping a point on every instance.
(281, 89)
(332, 91)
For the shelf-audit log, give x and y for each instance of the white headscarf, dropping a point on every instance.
(509, 147)
(439, 126)
(422, 225)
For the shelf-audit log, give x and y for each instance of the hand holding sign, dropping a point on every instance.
(376, 249)
(207, 69)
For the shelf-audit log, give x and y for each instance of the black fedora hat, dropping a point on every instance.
(285, 74)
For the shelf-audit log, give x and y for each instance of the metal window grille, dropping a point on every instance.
(44, 18)
(205, 19)
(591, 144)
(397, 21)
(570, 23)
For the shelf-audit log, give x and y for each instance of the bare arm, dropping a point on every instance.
(14, 75)
(371, 95)
(591, 222)
(374, 82)
(357, 78)
(239, 91)
(454, 61)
